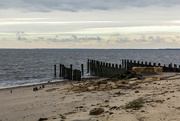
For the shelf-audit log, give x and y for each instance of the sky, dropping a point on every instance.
(91, 24)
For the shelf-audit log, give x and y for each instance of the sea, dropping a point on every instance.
(20, 67)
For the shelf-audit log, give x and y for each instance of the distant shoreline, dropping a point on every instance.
(81, 49)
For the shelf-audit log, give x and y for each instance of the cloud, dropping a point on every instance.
(81, 5)
(153, 40)
(72, 38)
(21, 38)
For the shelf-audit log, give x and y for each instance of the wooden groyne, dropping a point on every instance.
(129, 64)
(67, 72)
(104, 69)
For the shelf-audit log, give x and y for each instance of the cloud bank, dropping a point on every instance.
(81, 5)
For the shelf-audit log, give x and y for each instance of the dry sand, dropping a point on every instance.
(161, 103)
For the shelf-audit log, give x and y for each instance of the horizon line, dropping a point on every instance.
(91, 48)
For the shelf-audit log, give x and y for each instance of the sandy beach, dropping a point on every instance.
(56, 103)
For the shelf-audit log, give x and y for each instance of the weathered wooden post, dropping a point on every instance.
(74, 74)
(150, 64)
(164, 68)
(125, 64)
(154, 64)
(78, 75)
(101, 68)
(71, 72)
(122, 63)
(120, 66)
(88, 66)
(66, 73)
(134, 64)
(112, 70)
(93, 72)
(63, 71)
(106, 69)
(128, 68)
(146, 64)
(116, 69)
(159, 64)
(130, 65)
(98, 68)
(60, 70)
(170, 67)
(82, 69)
(109, 70)
(142, 64)
(55, 70)
(138, 63)
(175, 68)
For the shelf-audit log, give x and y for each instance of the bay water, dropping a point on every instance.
(20, 67)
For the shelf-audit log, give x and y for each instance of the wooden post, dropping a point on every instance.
(88, 66)
(97, 68)
(125, 64)
(109, 70)
(116, 69)
(159, 64)
(74, 74)
(106, 70)
(55, 70)
(138, 63)
(70, 72)
(93, 68)
(154, 64)
(170, 67)
(63, 71)
(101, 69)
(82, 69)
(134, 64)
(142, 64)
(164, 68)
(150, 64)
(78, 75)
(60, 70)
(66, 73)
(130, 65)
(122, 63)
(145, 64)
(175, 68)
(112, 70)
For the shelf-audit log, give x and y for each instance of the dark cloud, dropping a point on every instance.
(79, 5)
